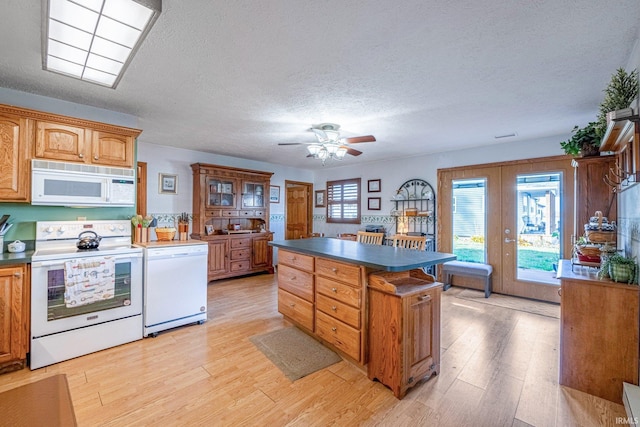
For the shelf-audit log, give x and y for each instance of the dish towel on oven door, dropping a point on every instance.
(88, 280)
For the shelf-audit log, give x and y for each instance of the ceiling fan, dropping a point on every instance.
(329, 144)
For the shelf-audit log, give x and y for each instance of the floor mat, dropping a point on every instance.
(515, 303)
(43, 403)
(294, 352)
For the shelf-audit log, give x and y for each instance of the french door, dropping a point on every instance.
(515, 216)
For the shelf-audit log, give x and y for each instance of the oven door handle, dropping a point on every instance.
(62, 261)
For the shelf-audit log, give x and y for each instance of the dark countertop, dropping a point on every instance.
(7, 258)
(379, 257)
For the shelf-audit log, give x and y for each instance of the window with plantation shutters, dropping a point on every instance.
(343, 201)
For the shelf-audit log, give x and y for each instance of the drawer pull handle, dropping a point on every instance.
(292, 304)
(424, 297)
(334, 308)
(17, 274)
(334, 329)
(335, 270)
(293, 278)
(334, 290)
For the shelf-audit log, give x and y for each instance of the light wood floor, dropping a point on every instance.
(499, 368)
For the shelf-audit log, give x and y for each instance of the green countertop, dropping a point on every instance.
(379, 257)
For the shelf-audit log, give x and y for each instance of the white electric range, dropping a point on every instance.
(83, 301)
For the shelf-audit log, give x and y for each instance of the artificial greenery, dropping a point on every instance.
(621, 91)
(617, 259)
(585, 141)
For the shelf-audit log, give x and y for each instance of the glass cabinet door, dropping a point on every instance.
(253, 195)
(221, 192)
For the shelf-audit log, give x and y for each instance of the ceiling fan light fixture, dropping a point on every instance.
(323, 154)
(332, 149)
(341, 152)
(314, 149)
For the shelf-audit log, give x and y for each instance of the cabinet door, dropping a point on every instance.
(253, 194)
(13, 335)
(218, 261)
(221, 192)
(61, 142)
(111, 149)
(14, 180)
(261, 252)
(420, 310)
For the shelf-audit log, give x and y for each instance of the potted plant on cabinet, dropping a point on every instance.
(585, 141)
(620, 269)
(619, 93)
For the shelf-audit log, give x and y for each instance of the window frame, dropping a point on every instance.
(330, 202)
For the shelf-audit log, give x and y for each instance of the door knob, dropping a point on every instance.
(508, 240)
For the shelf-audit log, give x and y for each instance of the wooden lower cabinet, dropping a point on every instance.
(599, 343)
(326, 298)
(404, 329)
(238, 255)
(14, 314)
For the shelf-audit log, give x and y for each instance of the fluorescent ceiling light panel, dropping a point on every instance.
(95, 40)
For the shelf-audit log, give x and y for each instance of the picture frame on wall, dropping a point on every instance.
(167, 183)
(321, 196)
(373, 186)
(274, 194)
(374, 203)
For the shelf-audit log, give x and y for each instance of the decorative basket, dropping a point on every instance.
(166, 233)
(588, 250)
(599, 230)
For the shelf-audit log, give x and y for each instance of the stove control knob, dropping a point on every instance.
(112, 227)
(61, 229)
(48, 230)
(121, 227)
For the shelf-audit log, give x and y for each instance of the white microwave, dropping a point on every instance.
(76, 184)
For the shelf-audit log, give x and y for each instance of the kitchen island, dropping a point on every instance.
(323, 288)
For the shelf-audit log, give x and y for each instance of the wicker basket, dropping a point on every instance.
(597, 236)
(590, 251)
(165, 234)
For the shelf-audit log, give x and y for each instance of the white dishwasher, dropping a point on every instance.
(175, 284)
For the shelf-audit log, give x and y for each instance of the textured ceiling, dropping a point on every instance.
(238, 77)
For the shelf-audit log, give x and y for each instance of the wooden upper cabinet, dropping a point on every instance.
(57, 141)
(14, 152)
(67, 143)
(112, 149)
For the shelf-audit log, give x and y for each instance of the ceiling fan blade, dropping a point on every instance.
(292, 143)
(357, 139)
(353, 152)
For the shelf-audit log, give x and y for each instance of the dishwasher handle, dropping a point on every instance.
(175, 255)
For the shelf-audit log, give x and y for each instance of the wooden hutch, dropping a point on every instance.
(231, 212)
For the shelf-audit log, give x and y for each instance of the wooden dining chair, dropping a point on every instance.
(347, 236)
(369, 238)
(409, 242)
(312, 235)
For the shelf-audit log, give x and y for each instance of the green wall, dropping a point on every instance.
(24, 217)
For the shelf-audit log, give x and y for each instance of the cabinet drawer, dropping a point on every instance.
(303, 262)
(212, 213)
(244, 265)
(297, 309)
(248, 214)
(347, 273)
(240, 243)
(421, 297)
(339, 310)
(297, 282)
(240, 254)
(259, 214)
(230, 213)
(339, 291)
(338, 334)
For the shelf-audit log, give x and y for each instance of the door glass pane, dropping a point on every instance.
(469, 219)
(538, 219)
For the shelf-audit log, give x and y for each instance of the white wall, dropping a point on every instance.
(393, 173)
(176, 161)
